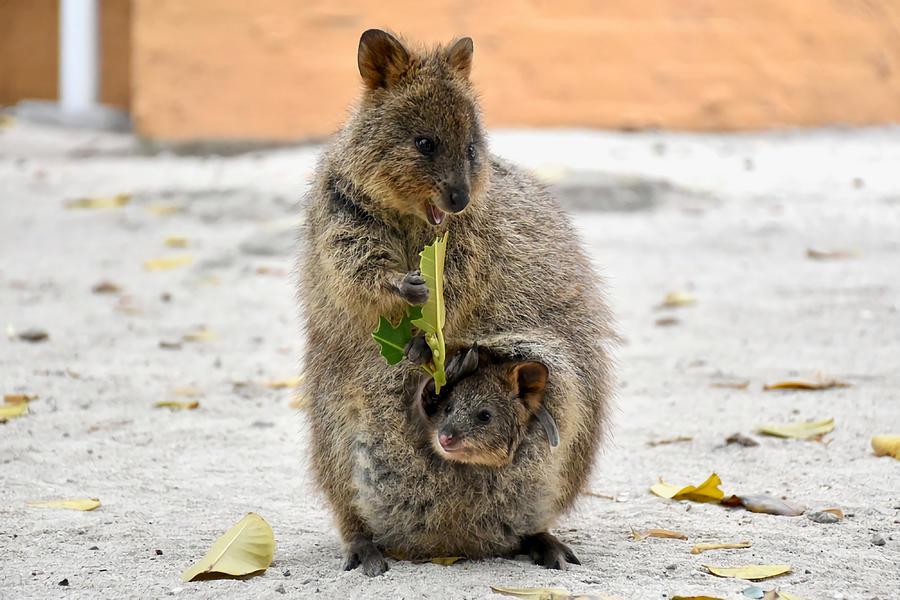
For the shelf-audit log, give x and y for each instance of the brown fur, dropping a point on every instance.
(516, 282)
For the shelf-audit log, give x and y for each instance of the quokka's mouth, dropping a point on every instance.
(434, 215)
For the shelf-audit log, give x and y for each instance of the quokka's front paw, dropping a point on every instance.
(412, 288)
(417, 349)
(547, 551)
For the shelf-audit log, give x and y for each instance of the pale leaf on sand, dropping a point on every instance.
(546, 594)
(886, 445)
(708, 491)
(751, 572)
(801, 431)
(100, 202)
(675, 299)
(176, 241)
(278, 384)
(658, 533)
(88, 504)
(244, 550)
(11, 411)
(166, 263)
(704, 547)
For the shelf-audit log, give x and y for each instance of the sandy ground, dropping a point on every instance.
(727, 218)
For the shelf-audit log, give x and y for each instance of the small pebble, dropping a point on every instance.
(743, 440)
(64, 582)
(280, 589)
(33, 335)
(286, 573)
(93, 548)
(671, 567)
(158, 552)
(878, 539)
(823, 517)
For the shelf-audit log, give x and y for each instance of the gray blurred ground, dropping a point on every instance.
(727, 218)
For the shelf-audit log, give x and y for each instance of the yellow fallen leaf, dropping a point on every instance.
(278, 384)
(836, 512)
(816, 254)
(7, 121)
(11, 411)
(176, 405)
(675, 299)
(201, 335)
(533, 593)
(243, 551)
(785, 596)
(704, 547)
(799, 384)
(736, 385)
(18, 398)
(168, 262)
(751, 572)
(764, 503)
(175, 241)
(708, 491)
(801, 431)
(886, 445)
(163, 209)
(100, 202)
(658, 533)
(85, 505)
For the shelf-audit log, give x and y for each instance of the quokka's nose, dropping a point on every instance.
(448, 441)
(457, 198)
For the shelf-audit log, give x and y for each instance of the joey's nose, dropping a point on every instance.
(448, 441)
(457, 198)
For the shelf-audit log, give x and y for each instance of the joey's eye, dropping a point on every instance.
(470, 151)
(484, 417)
(425, 145)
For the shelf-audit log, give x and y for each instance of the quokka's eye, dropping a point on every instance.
(425, 145)
(484, 417)
(448, 409)
(470, 151)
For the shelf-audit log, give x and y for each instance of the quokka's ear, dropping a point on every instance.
(529, 379)
(460, 56)
(382, 59)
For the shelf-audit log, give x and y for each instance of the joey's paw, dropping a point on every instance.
(547, 551)
(413, 289)
(363, 553)
(417, 349)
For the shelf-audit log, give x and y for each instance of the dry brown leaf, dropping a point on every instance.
(96, 203)
(658, 533)
(708, 491)
(176, 405)
(743, 440)
(800, 384)
(105, 287)
(175, 241)
(163, 209)
(681, 438)
(839, 254)
(764, 503)
(886, 445)
(751, 572)
(18, 398)
(835, 511)
(735, 385)
(704, 547)
(676, 299)
(166, 263)
(667, 322)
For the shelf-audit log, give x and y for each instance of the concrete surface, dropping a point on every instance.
(727, 218)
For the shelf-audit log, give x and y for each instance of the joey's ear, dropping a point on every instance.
(529, 380)
(382, 59)
(460, 56)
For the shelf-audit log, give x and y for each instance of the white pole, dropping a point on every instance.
(78, 55)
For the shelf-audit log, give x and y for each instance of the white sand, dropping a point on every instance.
(728, 218)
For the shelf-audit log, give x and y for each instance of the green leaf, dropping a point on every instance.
(392, 339)
(434, 313)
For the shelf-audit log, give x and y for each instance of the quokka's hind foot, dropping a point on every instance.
(362, 552)
(545, 550)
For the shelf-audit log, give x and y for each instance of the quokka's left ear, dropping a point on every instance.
(460, 56)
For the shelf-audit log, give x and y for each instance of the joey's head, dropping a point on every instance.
(418, 145)
(483, 418)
